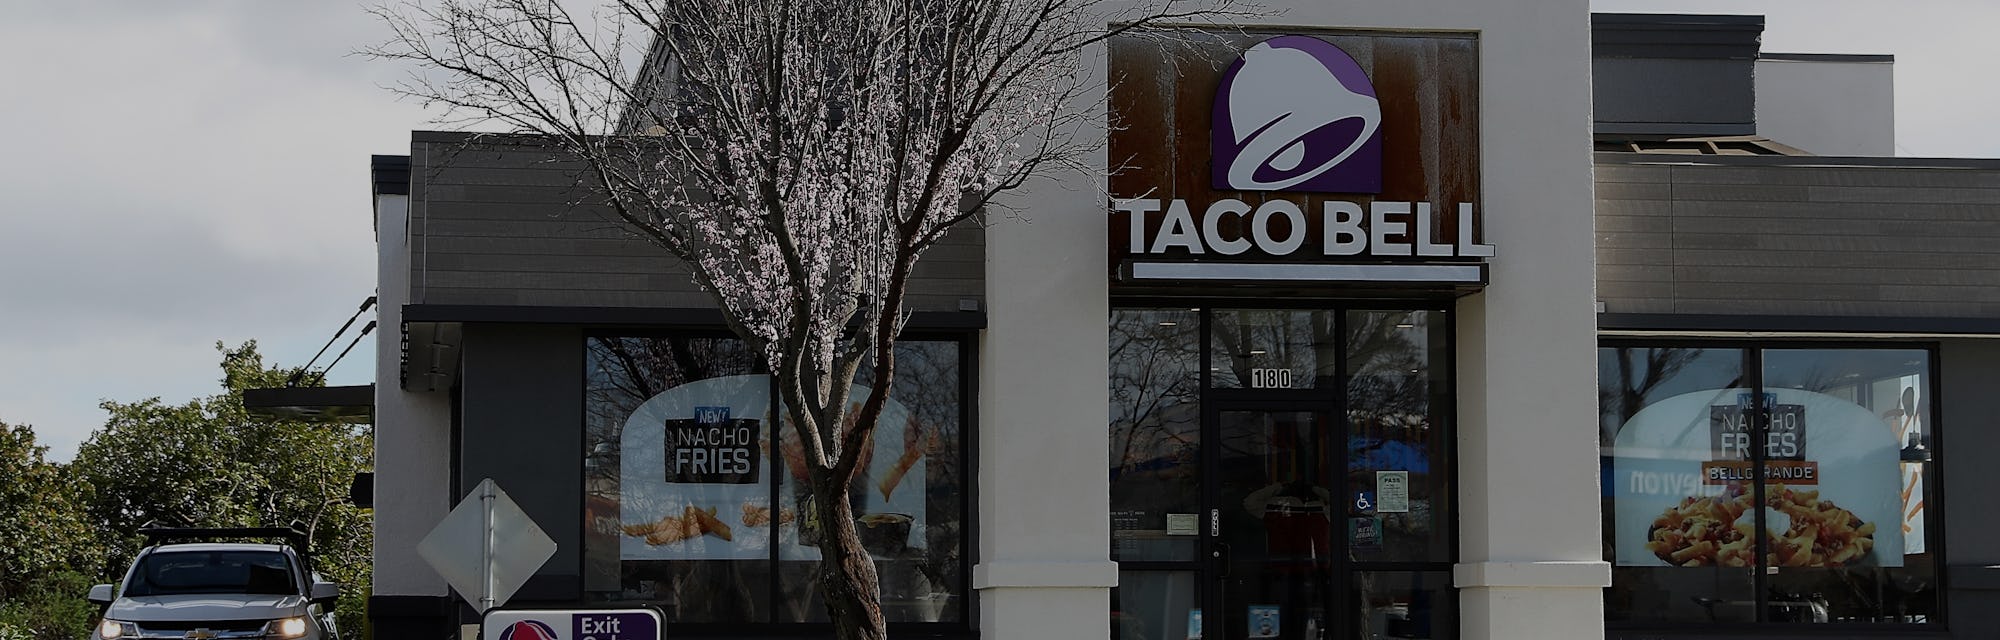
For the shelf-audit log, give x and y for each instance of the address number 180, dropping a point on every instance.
(1270, 378)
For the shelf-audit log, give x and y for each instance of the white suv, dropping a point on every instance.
(219, 591)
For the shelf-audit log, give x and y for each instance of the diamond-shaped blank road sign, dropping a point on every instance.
(487, 547)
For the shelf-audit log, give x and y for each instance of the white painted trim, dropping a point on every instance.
(1452, 273)
(1546, 575)
(1045, 575)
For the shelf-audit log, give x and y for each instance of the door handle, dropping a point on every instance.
(1216, 549)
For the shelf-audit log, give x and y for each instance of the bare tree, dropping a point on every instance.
(797, 156)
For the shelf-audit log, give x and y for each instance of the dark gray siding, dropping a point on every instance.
(1760, 238)
(1664, 74)
(510, 225)
(1968, 369)
(522, 416)
(1665, 96)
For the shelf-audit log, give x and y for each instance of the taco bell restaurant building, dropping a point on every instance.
(1320, 360)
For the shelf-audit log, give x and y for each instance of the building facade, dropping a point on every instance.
(1793, 326)
(1316, 361)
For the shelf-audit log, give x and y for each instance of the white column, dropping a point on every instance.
(1044, 527)
(412, 430)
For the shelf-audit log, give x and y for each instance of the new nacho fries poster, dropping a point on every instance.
(696, 465)
(1683, 479)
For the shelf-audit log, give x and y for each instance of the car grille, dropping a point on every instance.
(203, 630)
(211, 625)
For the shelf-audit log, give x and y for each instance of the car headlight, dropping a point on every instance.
(114, 629)
(287, 628)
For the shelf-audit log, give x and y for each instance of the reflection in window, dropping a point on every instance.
(1156, 605)
(1360, 417)
(1155, 432)
(1273, 349)
(689, 503)
(1799, 501)
(1656, 406)
(908, 498)
(1849, 542)
(665, 527)
(1406, 604)
(1397, 439)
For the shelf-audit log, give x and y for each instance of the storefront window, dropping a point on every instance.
(1155, 433)
(1397, 439)
(908, 498)
(1273, 349)
(694, 496)
(1281, 473)
(1156, 605)
(1403, 604)
(1845, 488)
(1768, 485)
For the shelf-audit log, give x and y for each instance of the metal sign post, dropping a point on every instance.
(486, 553)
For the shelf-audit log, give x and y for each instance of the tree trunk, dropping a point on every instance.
(847, 577)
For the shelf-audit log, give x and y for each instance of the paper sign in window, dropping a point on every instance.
(1392, 492)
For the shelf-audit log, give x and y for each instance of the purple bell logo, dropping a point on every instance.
(1295, 113)
(529, 630)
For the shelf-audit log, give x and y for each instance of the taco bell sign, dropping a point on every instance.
(571, 624)
(1334, 149)
(1296, 113)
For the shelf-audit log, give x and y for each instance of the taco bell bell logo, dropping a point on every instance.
(1295, 113)
(529, 630)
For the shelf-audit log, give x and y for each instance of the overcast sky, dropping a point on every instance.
(181, 173)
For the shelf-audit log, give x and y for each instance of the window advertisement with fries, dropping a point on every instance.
(1830, 472)
(692, 486)
(1832, 441)
(677, 431)
(695, 501)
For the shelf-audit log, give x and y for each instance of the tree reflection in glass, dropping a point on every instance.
(1155, 417)
(1398, 398)
(1273, 349)
(622, 373)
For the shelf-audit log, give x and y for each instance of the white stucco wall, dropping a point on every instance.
(412, 430)
(1828, 106)
(1531, 561)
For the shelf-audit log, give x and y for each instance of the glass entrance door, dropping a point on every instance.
(1281, 473)
(1271, 511)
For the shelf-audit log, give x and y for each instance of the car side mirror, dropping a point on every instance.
(325, 594)
(100, 594)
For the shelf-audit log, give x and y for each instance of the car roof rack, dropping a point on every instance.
(163, 535)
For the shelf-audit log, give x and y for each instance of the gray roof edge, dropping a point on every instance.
(1886, 162)
(1673, 35)
(1738, 21)
(475, 136)
(1828, 57)
(390, 174)
(1672, 129)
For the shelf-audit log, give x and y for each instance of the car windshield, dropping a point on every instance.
(184, 572)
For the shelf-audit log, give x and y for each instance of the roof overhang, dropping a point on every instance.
(430, 350)
(433, 333)
(342, 405)
(1672, 325)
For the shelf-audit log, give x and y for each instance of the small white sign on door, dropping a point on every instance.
(1392, 492)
